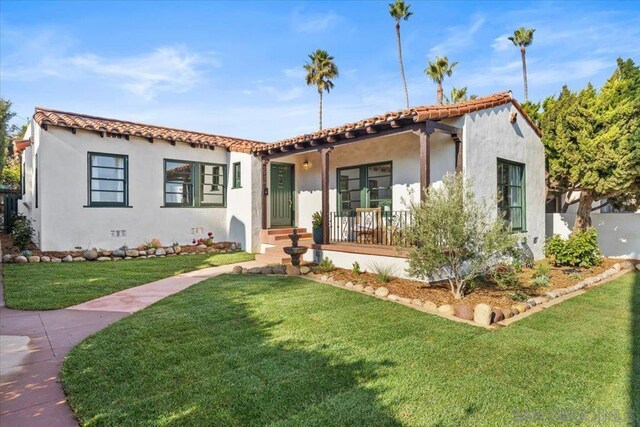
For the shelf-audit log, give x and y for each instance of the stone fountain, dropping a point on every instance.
(294, 250)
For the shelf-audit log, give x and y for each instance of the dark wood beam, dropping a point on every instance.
(284, 149)
(433, 126)
(299, 145)
(265, 193)
(371, 130)
(150, 139)
(45, 126)
(324, 153)
(425, 160)
(126, 137)
(332, 139)
(101, 133)
(193, 145)
(314, 142)
(349, 135)
(172, 142)
(212, 147)
(395, 124)
(73, 131)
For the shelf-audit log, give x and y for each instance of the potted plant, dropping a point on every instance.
(316, 224)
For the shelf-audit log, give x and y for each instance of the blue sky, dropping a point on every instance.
(235, 68)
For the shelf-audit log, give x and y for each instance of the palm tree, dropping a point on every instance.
(523, 37)
(399, 10)
(437, 70)
(458, 95)
(320, 71)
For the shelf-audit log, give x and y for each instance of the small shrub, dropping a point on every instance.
(518, 296)
(384, 272)
(174, 244)
(575, 275)
(540, 282)
(208, 241)
(22, 232)
(579, 250)
(356, 268)
(153, 244)
(26, 253)
(505, 275)
(325, 266)
(316, 220)
(541, 275)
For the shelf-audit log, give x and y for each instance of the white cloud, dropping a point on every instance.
(458, 37)
(313, 22)
(502, 43)
(295, 72)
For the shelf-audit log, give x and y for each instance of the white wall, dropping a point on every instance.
(618, 233)
(488, 135)
(67, 223)
(346, 260)
(27, 204)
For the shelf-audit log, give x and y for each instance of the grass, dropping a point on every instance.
(249, 350)
(48, 286)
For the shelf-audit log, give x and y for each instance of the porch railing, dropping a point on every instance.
(369, 227)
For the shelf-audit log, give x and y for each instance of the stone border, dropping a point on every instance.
(482, 315)
(124, 254)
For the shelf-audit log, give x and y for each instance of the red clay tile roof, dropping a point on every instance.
(45, 116)
(416, 114)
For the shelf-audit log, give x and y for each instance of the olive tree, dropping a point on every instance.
(454, 237)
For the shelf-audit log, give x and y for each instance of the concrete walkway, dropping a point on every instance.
(33, 345)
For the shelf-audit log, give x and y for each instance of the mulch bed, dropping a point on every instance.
(488, 293)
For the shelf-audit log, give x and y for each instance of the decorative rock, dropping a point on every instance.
(202, 246)
(144, 256)
(133, 253)
(382, 292)
(446, 309)
(514, 312)
(417, 302)
(21, 259)
(483, 314)
(349, 285)
(56, 260)
(233, 247)
(404, 300)
(430, 305)
(324, 277)
(177, 249)
(151, 256)
(150, 251)
(638, 266)
(266, 270)
(507, 313)
(521, 307)
(105, 252)
(617, 266)
(552, 295)
(305, 270)
(254, 270)
(463, 311)
(128, 257)
(237, 269)
(341, 282)
(358, 287)
(160, 251)
(78, 259)
(279, 269)
(119, 253)
(392, 297)
(169, 250)
(498, 315)
(45, 259)
(369, 290)
(7, 258)
(90, 254)
(540, 300)
(104, 258)
(532, 302)
(626, 265)
(68, 258)
(292, 270)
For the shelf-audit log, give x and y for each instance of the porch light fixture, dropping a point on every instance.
(306, 165)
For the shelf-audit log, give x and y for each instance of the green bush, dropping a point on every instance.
(505, 275)
(384, 272)
(21, 232)
(541, 276)
(579, 250)
(316, 220)
(325, 266)
(356, 268)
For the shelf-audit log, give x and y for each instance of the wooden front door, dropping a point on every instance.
(282, 195)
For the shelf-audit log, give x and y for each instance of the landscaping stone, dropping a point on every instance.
(358, 287)
(150, 251)
(237, 269)
(104, 258)
(531, 301)
(507, 313)
(404, 300)
(417, 302)
(68, 258)
(133, 253)
(7, 258)
(177, 249)
(254, 270)
(369, 290)
(305, 270)
(498, 315)
(45, 259)
(324, 277)
(119, 253)
(446, 309)
(617, 266)
(21, 259)
(483, 314)
(266, 270)
(144, 256)
(382, 291)
(202, 246)
(463, 311)
(279, 269)
(90, 254)
(521, 307)
(540, 300)
(78, 259)
(105, 252)
(552, 295)
(56, 260)
(128, 257)
(626, 265)
(341, 282)
(430, 305)
(514, 312)
(349, 285)
(151, 256)
(169, 250)
(292, 270)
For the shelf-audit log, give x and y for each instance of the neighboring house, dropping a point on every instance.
(101, 182)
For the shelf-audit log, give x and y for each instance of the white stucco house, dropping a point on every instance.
(97, 182)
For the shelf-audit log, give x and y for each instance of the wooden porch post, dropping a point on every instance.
(324, 153)
(425, 160)
(265, 193)
(458, 142)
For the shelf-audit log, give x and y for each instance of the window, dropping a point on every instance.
(237, 180)
(364, 186)
(108, 179)
(511, 196)
(193, 184)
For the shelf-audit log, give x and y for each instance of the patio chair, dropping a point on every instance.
(368, 223)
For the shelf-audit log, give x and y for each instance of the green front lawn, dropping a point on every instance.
(249, 350)
(48, 286)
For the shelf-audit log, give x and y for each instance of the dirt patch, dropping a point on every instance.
(483, 292)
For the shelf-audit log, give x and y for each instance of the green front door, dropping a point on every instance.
(281, 192)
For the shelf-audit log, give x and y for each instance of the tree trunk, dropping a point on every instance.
(523, 52)
(583, 217)
(404, 78)
(440, 93)
(320, 110)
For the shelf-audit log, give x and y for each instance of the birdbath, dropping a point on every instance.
(294, 250)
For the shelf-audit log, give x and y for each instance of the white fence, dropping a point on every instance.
(618, 233)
